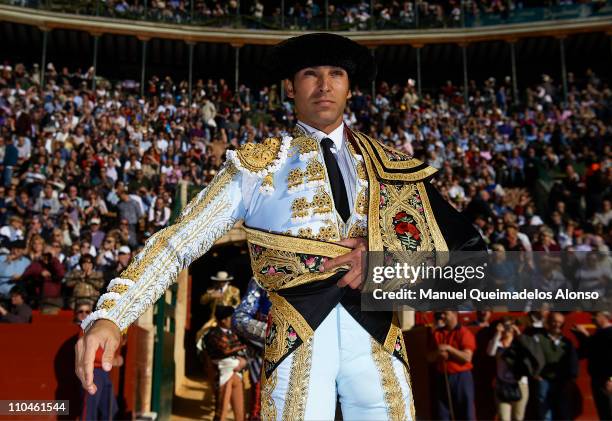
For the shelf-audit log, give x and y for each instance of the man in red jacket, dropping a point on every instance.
(454, 347)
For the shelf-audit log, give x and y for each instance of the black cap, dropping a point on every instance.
(320, 49)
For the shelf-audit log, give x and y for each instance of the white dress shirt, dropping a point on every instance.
(343, 156)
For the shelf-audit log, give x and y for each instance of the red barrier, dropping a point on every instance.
(38, 363)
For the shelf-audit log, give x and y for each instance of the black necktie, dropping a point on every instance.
(336, 180)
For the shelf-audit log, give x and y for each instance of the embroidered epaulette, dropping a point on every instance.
(261, 159)
(391, 164)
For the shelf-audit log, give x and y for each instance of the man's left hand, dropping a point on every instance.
(353, 258)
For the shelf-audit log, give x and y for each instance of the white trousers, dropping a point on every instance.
(340, 360)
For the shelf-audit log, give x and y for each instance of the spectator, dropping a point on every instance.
(559, 371)
(123, 260)
(222, 293)
(594, 274)
(126, 236)
(483, 319)
(454, 346)
(11, 156)
(596, 349)
(14, 230)
(81, 312)
(12, 267)
(44, 276)
(227, 354)
(129, 210)
(85, 283)
(512, 390)
(159, 215)
(49, 200)
(97, 235)
(546, 241)
(107, 257)
(20, 311)
(605, 215)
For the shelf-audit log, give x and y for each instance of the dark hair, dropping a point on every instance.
(86, 257)
(18, 290)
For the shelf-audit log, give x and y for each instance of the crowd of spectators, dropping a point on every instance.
(532, 363)
(310, 14)
(87, 175)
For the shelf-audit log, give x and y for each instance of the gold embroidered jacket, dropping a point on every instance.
(280, 186)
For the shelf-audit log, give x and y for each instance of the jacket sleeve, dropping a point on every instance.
(165, 254)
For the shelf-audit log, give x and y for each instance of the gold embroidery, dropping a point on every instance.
(107, 305)
(284, 315)
(293, 271)
(300, 208)
(268, 181)
(297, 393)
(395, 333)
(362, 202)
(358, 230)
(119, 288)
(294, 244)
(315, 171)
(268, 408)
(328, 232)
(306, 233)
(295, 178)
(321, 202)
(412, 407)
(402, 198)
(257, 156)
(159, 241)
(361, 173)
(380, 158)
(392, 390)
(374, 238)
(305, 144)
(266, 264)
(298, 131)
(352, 150)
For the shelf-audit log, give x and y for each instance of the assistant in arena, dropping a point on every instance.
(312, 202)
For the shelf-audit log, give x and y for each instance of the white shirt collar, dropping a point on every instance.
(337, 135)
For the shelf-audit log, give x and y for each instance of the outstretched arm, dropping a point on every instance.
(205, 219)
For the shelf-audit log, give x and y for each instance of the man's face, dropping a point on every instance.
(124, 258)
(83, 311)
(16, 252)
(555, 323)
(226, 323)
(16, 299)
(320, 95)
(449, 318)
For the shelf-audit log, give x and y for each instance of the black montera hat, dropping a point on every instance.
(320, 49)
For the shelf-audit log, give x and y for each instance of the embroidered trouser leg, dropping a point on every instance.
(305, 382)
(341, 359)
(372, 384)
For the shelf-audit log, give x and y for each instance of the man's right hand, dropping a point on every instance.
(105, 334)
